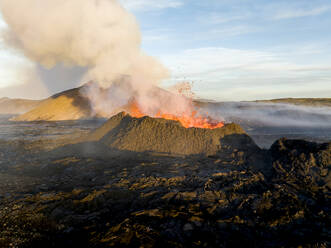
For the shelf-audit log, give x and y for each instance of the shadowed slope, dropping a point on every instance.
(303, 163)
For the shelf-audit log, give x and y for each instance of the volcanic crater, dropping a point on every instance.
(124, 132)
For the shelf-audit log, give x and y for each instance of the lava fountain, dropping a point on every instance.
(189, 119)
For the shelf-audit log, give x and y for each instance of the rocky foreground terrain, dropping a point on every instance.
(91, 192)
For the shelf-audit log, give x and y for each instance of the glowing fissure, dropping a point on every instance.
(187, 120)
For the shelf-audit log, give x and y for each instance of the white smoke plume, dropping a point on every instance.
(122, 93)
(99, 35)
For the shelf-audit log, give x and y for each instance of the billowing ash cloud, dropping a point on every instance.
(98, 34)
(103, 37)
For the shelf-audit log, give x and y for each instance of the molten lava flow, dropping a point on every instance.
(192, 120)
(187, 120)
(135, 110)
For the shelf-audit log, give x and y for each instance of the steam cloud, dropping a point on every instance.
(99, 35)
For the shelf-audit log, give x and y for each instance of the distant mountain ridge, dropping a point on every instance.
(314, 102)
(17, 106)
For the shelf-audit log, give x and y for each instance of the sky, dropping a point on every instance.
(231, 50)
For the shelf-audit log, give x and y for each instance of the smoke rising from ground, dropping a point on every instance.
(272, 114)
(98, 34)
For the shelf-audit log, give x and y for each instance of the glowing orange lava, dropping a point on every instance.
(187, 120)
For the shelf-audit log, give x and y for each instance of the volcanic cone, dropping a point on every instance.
(147, 134)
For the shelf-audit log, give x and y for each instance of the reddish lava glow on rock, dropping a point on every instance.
(187, 119)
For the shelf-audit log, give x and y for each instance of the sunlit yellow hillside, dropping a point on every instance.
(69, 105)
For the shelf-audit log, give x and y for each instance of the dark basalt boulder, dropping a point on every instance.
(303, 163)
(147, 134)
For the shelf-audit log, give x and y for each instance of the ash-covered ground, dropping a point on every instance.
(56, 194)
